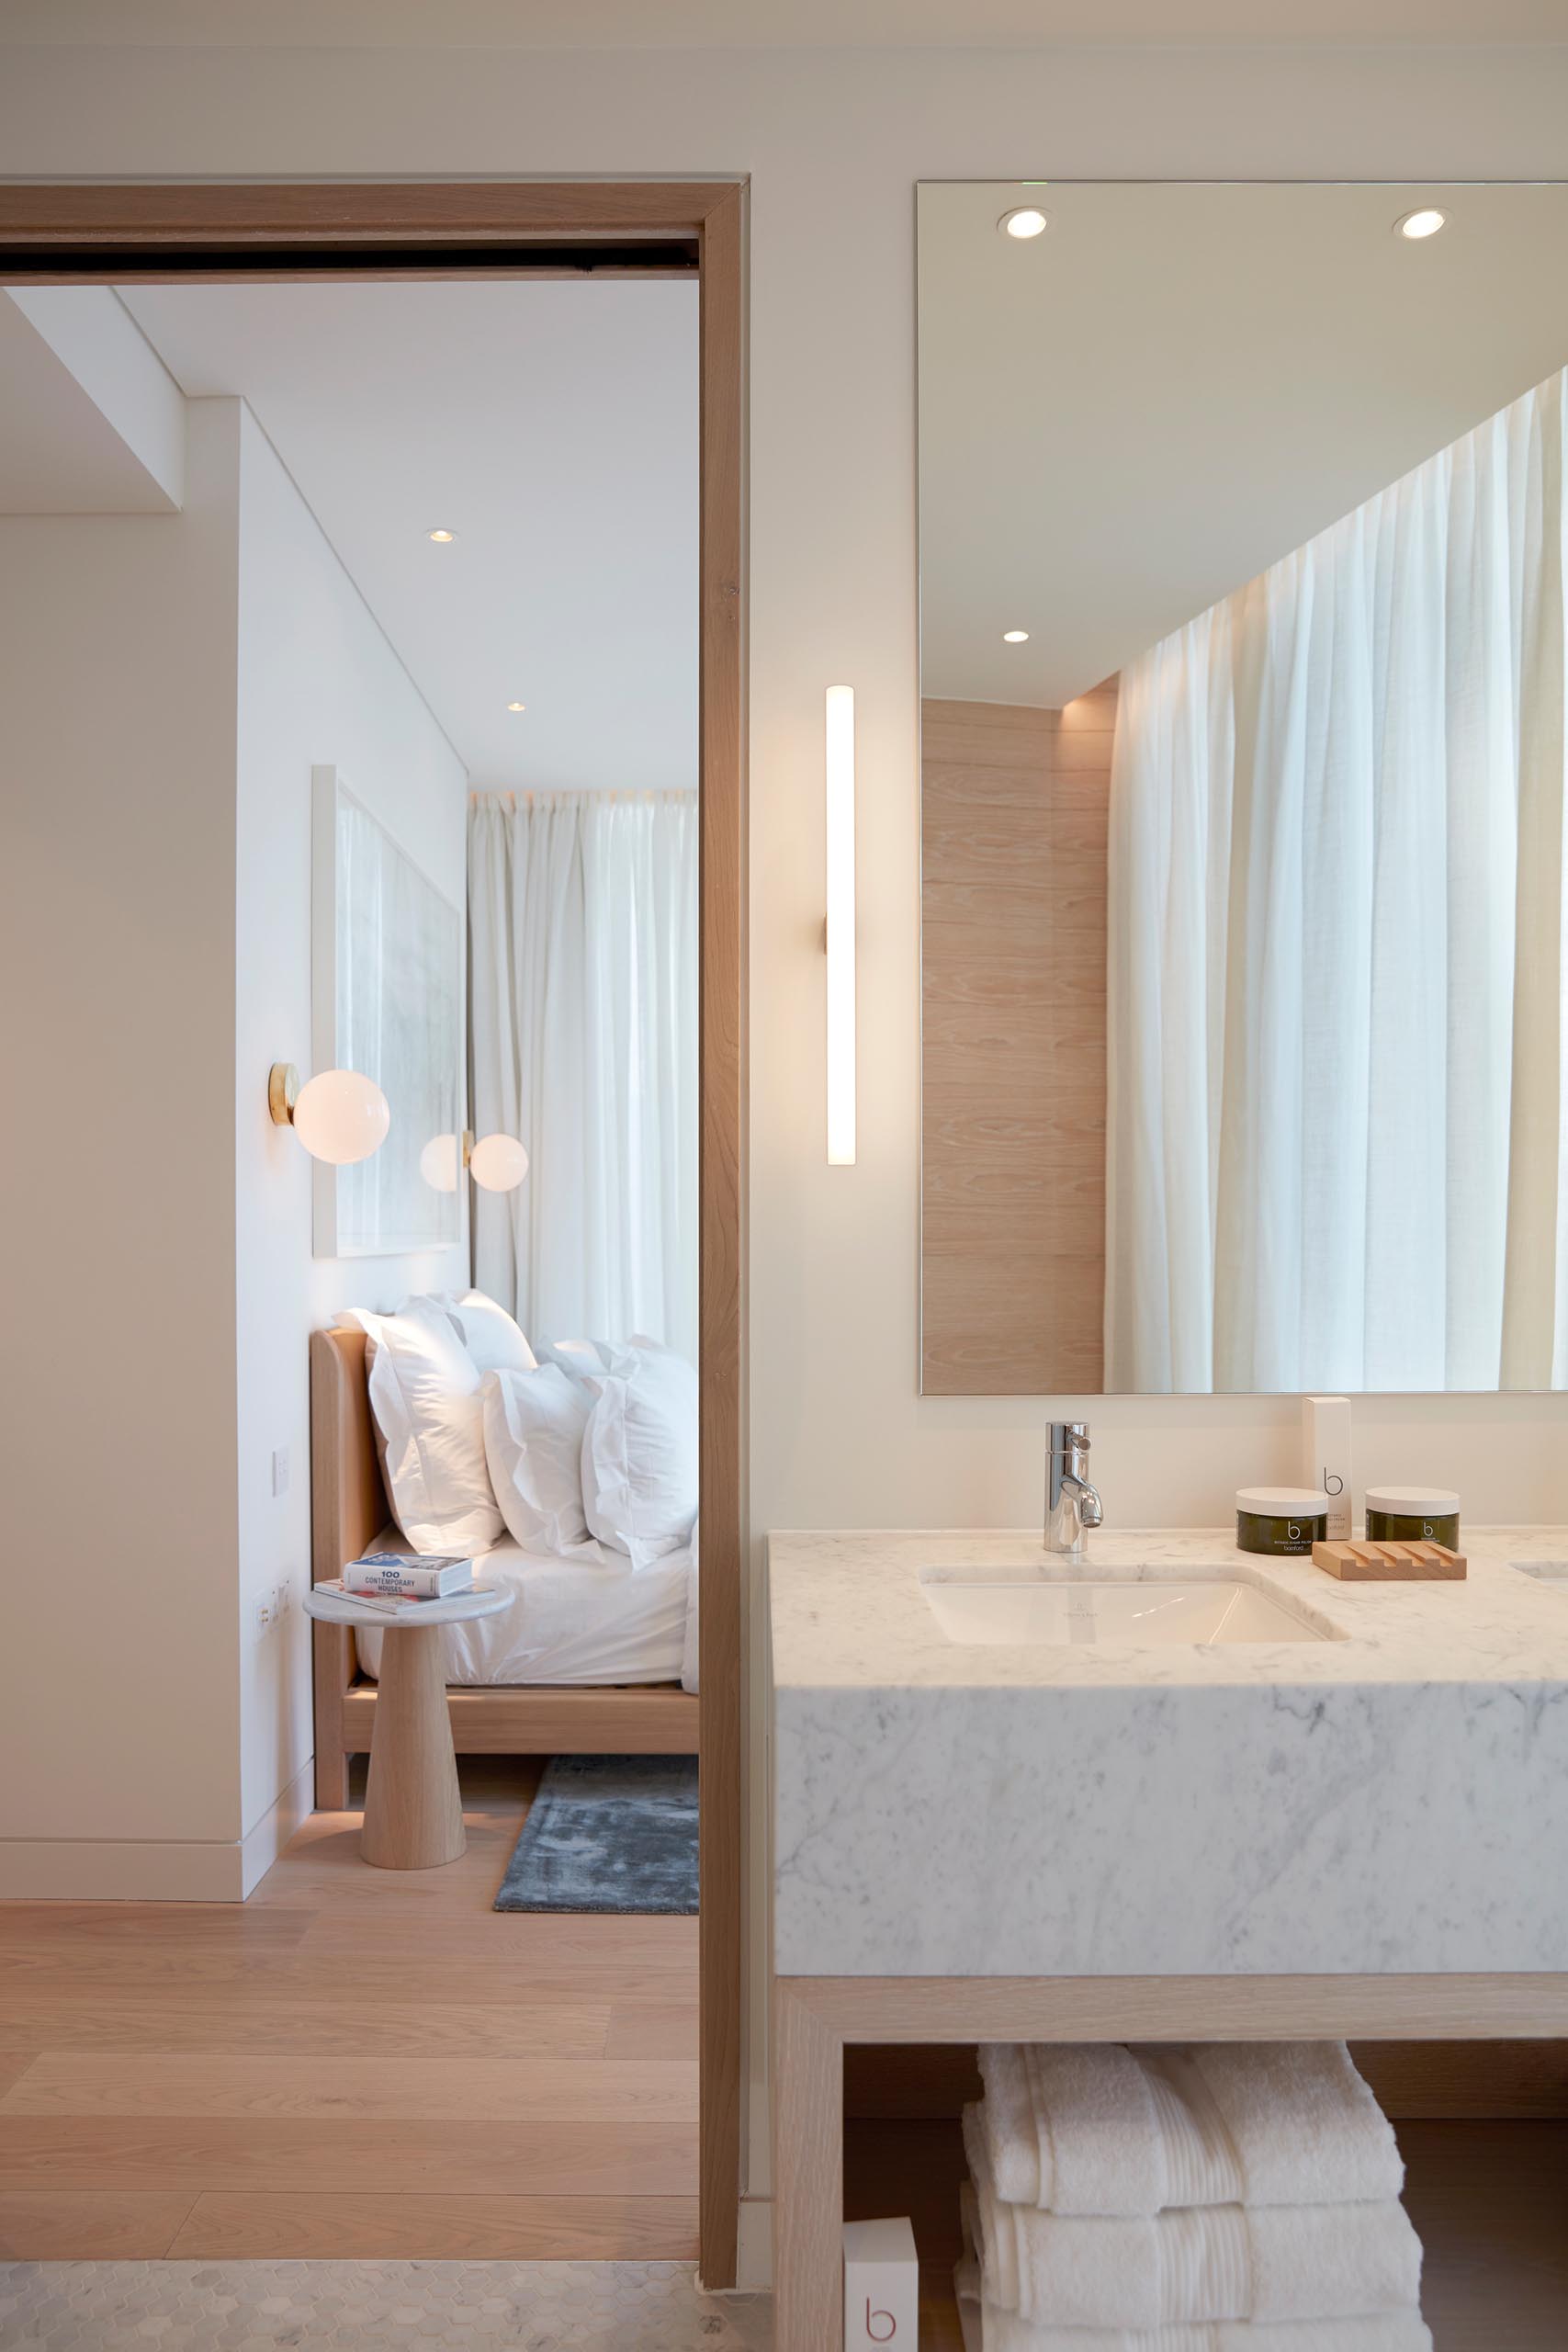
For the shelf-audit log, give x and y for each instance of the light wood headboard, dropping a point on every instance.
(348, 1501)
(348, 1510)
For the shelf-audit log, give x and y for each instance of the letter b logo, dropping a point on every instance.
(875, 2330)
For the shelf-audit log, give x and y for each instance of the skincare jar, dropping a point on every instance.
(1412, 1515)
(1282, 1520)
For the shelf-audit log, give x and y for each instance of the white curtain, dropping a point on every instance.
(583, 939)
(1336, 1145)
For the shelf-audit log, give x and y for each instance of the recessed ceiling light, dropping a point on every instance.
(1025, 220)
(1015, 637)
(442, 538)
(516, 706)
(1425, 223)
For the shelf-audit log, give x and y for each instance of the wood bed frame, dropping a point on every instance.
(348, 1512)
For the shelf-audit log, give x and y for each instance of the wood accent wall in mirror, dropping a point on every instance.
(1244, 537)
(1014, 803)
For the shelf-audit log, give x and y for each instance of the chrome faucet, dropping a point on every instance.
(1072, 1504)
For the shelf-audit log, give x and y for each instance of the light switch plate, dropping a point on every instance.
(280, 1470)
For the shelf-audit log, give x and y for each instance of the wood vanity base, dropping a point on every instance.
(815, 2017)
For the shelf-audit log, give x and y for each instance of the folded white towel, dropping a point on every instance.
(1106, 2129)
(988, 2329)
(1189, 2265)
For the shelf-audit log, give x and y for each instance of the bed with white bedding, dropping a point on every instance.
(594, 1658)
(577, 1617)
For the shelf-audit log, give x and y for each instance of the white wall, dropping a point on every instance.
(835, 146)
(167, 684)
(119, 1668)
(318, 682)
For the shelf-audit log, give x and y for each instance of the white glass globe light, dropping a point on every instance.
(438, 1163)
(499, 1163)
(341, 1116)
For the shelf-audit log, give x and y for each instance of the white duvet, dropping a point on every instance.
(583, 1616)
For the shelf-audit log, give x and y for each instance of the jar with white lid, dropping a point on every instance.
(1283, 1522)
(1412, 1515)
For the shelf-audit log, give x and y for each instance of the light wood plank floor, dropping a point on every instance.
(356, 2063)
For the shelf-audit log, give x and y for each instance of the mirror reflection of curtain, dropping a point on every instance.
(583, 937)
(1338, 1123)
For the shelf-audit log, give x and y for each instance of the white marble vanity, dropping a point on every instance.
(1014, 1795)
(1376, 1780)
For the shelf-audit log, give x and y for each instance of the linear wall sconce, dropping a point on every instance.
(840, 774)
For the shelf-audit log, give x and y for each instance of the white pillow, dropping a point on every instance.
(579, 1359)
(493, 1338)
(425, 1396)
(639, 1454)
(534, 1424)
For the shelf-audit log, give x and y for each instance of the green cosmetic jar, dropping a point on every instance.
(1283, 1522)
(1412, 1515)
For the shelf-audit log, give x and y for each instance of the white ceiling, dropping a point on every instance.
(774, 24)
(1130, 416)
(553, 425)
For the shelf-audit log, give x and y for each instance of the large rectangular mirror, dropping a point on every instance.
(1243, 534)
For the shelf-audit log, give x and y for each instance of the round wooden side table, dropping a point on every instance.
(413, 1813)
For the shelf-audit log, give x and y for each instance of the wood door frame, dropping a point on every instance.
(78, 231)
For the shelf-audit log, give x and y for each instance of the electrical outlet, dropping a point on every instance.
(263, 1614)
(280, 1470)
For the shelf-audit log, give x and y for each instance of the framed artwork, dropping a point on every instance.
(387, 999)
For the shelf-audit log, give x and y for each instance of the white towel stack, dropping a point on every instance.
(1233, 2197)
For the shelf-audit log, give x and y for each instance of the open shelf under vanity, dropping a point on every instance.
(1483, 2127)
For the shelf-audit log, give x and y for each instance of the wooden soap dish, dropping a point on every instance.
(1367, 1563)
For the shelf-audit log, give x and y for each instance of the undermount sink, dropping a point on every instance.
(1028, 1607)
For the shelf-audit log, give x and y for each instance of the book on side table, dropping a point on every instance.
(407, 1575)
(405, 1605)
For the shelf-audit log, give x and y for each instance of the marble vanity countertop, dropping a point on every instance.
(849, 1609)
(1391, 1797)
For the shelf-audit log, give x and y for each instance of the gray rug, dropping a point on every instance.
(608, 1833)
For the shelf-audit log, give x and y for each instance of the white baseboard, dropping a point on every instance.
(126, 1870)
(118, 1869)
(263, 1845)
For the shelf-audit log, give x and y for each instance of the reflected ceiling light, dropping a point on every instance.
(1025, 220)
(1015, 637)
(516, 706)
(442, 538)
(1424, 223)
(339, 1115)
